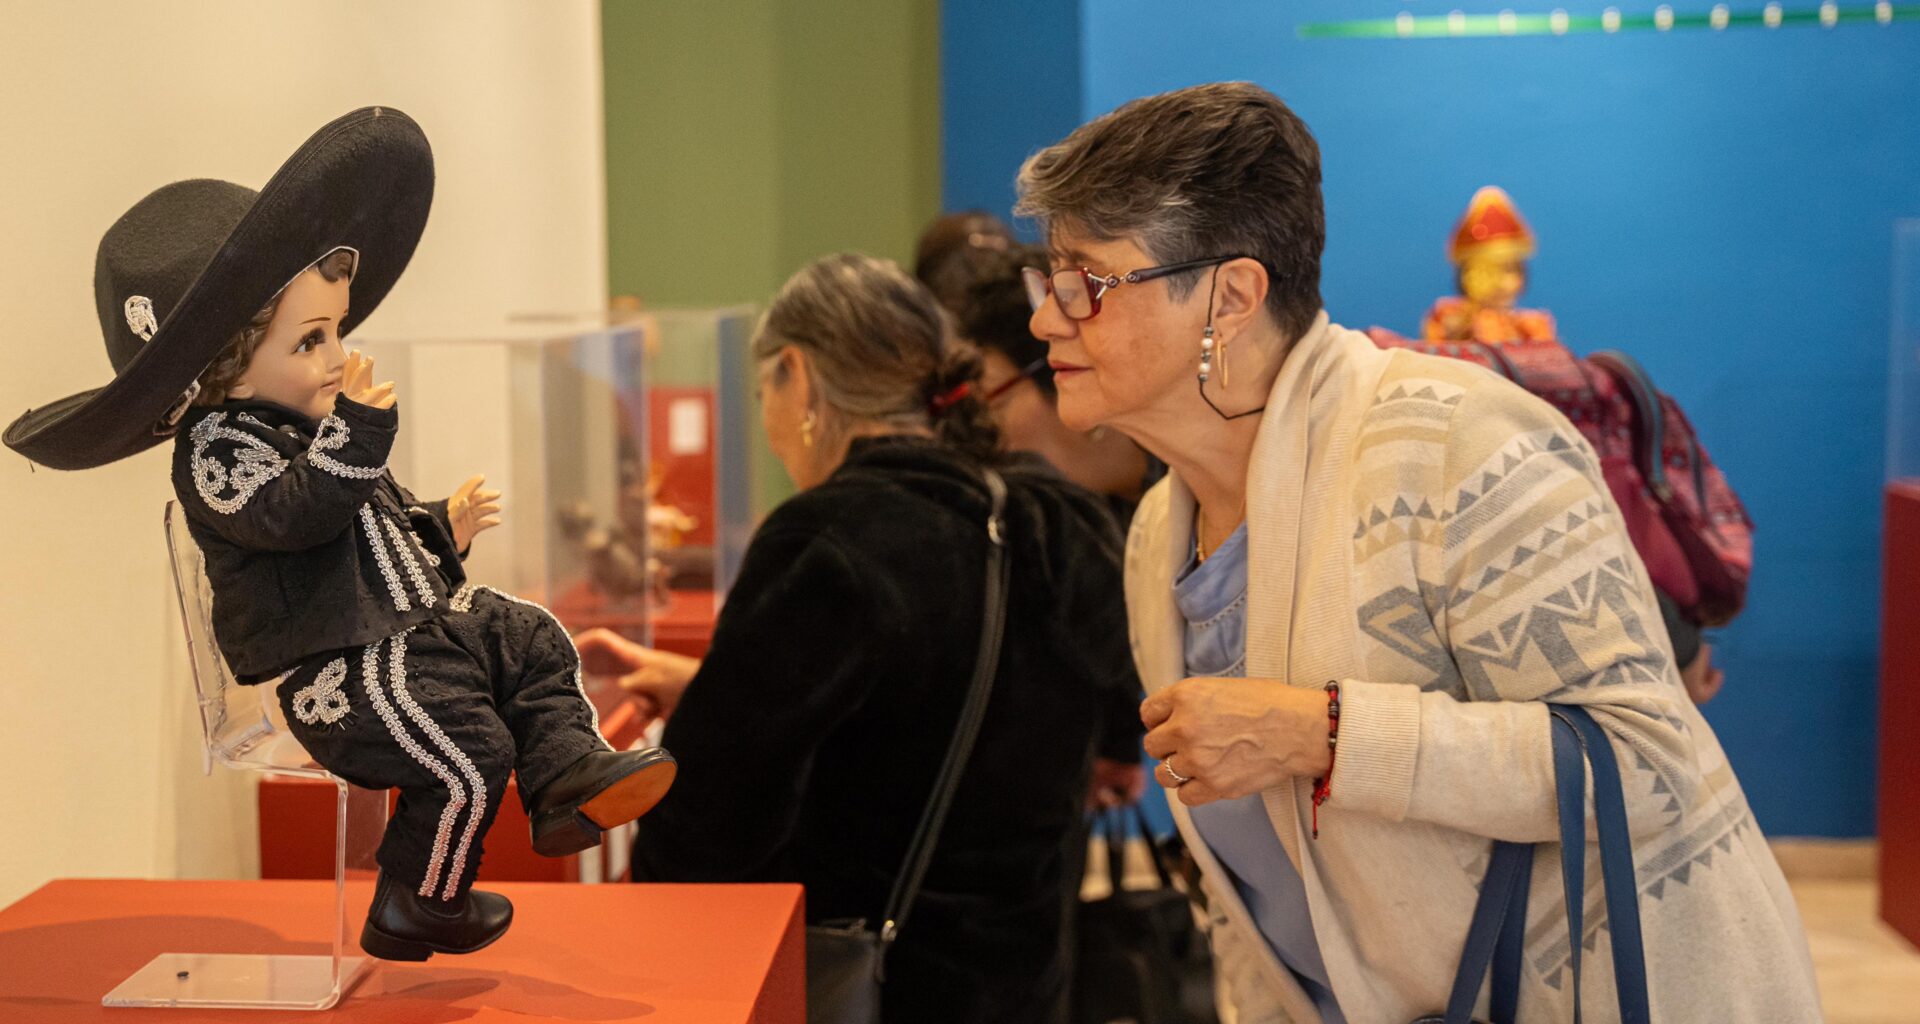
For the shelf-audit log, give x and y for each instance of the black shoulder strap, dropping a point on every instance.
(992, 627)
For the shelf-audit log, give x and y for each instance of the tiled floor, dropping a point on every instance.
(1868, 973)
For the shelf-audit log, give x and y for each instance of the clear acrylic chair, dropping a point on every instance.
(239, 726)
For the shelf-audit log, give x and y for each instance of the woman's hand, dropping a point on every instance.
(472, 510)
(1228, 738)
(656, 679)
(1115, 784)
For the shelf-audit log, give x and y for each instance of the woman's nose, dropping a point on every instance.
(1048, 323)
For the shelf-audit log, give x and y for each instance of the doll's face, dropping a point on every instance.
(299, 363)
(1493, 282)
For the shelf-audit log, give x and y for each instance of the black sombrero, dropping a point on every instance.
(184, 270)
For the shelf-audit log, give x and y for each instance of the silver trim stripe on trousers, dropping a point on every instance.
(456, 793)
(398, 677)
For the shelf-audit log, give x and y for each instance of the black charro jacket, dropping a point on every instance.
(311, 545)
(809, 740)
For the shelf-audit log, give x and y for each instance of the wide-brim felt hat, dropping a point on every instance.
(185, 270)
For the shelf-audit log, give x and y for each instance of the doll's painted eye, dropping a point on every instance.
(311, 341)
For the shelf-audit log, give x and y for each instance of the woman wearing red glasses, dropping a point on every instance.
(1365, 577)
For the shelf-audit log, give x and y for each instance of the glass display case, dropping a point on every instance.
(628, 448)
(1899, 718)
(710, 477)
(1903, 369)
(554, 412)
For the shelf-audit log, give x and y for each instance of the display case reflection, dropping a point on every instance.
(624, 445)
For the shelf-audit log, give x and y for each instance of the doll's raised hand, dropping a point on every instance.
(356, 383)
(472, 510)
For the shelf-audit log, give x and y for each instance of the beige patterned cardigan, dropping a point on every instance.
(1442, 543)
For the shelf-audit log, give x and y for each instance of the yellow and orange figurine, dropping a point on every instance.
(1489, 250)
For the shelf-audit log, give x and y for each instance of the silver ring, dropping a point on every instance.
(1178, 779)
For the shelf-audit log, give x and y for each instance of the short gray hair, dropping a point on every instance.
(1214, 170)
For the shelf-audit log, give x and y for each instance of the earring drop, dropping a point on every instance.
(1226, 376)
(1206, 354)
(806, 428)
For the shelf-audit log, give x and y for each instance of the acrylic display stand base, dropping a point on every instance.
(238, 981)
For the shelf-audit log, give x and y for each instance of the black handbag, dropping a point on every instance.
(1500, 916)
(1140, 957)
(846, 960)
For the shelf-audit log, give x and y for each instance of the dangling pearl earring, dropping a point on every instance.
(806, 428)
(1206, 354)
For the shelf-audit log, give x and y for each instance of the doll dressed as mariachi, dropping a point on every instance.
(223, 311)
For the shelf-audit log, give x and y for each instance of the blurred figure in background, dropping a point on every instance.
(954, 252)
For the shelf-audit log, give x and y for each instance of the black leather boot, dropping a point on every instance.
(603, 790)
(404, 925)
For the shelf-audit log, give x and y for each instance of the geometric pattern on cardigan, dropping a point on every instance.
(1571, 595)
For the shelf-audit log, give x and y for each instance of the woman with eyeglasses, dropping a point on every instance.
(1364, 578)
(810, 737)
(1019, 389)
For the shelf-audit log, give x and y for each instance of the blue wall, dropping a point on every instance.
(1721, 205)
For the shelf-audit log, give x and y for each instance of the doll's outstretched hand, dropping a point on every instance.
(472, 510)
(356, 382)
(656, 679)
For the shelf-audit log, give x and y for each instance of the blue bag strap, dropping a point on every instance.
(1497, 932)
(1616, 862)
(1507, 953)
(1504, 882)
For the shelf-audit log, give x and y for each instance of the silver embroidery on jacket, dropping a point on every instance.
(255, 463)
(456, 793)
(405, 551)
(401, 603)
(322, 702)
(332, 437)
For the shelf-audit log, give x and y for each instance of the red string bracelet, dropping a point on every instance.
(1323, 786)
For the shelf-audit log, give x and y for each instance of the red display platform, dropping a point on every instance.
(663, 954)
(1900, 712)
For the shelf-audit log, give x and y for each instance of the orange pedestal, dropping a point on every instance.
(1900, 712)
(663, 954)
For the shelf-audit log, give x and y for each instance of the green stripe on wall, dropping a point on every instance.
(747, 137)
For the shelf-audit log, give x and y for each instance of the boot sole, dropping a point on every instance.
(568, 830)
(379, 944)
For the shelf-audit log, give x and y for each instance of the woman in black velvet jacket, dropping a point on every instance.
(809, 738)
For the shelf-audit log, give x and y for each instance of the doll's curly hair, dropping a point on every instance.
(224, 372)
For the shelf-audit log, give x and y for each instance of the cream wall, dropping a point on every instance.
(99, 104)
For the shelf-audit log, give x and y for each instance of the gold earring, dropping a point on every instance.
(1226, 378)
(806, 428)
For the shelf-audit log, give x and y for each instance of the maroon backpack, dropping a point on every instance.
(1689, 527)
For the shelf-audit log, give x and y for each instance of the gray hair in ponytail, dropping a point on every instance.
(881, 350)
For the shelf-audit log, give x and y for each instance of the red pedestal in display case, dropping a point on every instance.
(1900, 712)
(662, 954)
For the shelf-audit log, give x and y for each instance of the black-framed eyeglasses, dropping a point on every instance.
(1027, 372)
(1078, 290)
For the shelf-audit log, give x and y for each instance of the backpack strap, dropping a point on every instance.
(1649, 449)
